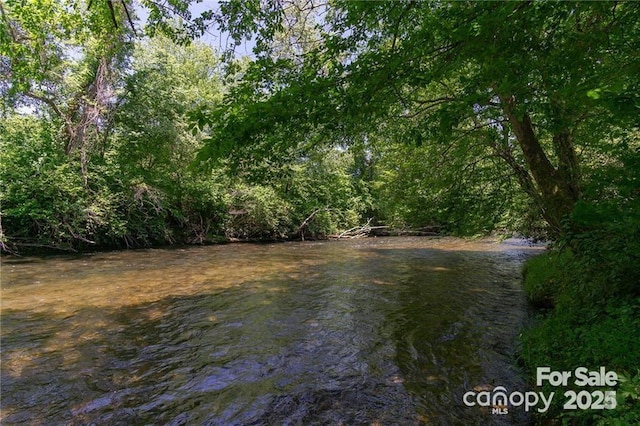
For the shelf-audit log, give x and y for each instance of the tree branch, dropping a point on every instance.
(126, 11)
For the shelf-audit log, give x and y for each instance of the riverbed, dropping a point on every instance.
(366, 331)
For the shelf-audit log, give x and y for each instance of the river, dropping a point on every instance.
(368, 331)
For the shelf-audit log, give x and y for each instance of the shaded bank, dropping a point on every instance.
(588, 316)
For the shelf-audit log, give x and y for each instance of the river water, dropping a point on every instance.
(370, 331)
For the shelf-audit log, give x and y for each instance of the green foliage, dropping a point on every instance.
(257, 212)
(464, 190)
(517, 79)
(42, 194)
(595, 321)
(591, 336)
(49, 46)
(604, 228)
(389, 111)
(593, 278)
(546, 277)
(630, 387)
(44, 202)
(137, 189)
(140, 188)
(325, 182)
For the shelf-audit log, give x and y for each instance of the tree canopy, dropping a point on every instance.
(473, 116)
(538, 84)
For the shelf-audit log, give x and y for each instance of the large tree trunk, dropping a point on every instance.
(558, 188)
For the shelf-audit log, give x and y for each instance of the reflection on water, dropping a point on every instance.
(375, 331)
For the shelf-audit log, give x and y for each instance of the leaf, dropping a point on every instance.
(594, 93)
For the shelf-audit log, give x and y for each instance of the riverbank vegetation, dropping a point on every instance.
(108, 142)
(587, 290)
(469, 118)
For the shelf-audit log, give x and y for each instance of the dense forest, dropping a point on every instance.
(121, 128)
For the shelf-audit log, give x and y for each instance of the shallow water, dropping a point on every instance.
(369, 331)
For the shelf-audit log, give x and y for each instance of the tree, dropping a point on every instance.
(165, 84)
(62, 60)
(153, 143)
(523, 79)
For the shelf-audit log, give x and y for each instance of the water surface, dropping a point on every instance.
(370, 331)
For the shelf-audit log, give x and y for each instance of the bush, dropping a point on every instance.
(257, 212)
(43, 199)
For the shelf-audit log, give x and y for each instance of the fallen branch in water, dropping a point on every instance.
(386, 231)
(427, 231)
(3, 247)
(359, 231)
(309, 219)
